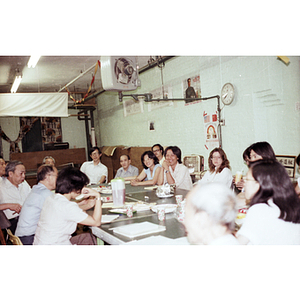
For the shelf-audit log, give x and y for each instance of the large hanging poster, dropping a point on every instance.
(211, 132)
(192, 89)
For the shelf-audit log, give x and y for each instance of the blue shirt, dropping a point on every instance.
(148, 172)
(132, 171)
(31, 210)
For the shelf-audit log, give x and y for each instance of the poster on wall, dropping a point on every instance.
(192, 89)
(158, 94)
(211, 130)
(51, 130)
(131, 107)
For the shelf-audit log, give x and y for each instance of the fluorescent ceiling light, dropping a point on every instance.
(16, 84)
(33, 60)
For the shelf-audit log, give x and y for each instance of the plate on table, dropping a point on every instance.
(164, 195)
(167, 207)
(106, 191)
(119, 211)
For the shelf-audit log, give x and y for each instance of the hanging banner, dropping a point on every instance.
(34, 105)
(211, 130)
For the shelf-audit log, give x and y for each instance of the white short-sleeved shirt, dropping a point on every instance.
(263, 227)
(58, 220)
(225, 176)
(182, 177)
(9, 193)
(94, 172)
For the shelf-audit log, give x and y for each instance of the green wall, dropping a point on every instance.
(267, 94)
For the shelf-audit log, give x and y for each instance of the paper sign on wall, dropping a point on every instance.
(211, 130)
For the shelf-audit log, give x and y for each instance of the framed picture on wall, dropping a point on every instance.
(289, 162)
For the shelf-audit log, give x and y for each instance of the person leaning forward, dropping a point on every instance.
(31, 210)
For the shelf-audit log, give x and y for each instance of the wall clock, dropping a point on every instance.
(227, 93)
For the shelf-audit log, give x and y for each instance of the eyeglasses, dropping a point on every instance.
(158, 150)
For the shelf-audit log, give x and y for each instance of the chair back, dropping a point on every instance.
(13, 238)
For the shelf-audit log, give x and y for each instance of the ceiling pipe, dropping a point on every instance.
(155, 63)
(79, 76)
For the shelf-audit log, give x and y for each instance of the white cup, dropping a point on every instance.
(161, 214)
(178, 198)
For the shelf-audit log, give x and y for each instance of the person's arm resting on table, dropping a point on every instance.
(95, 219)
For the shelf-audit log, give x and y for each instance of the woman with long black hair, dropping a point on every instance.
(274, 213)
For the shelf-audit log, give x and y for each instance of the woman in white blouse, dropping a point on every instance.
(219, 168)
(273, 217)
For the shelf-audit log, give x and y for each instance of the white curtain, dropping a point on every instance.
(34, 105)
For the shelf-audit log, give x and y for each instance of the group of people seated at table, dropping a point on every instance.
(163, 166)
(45, 214)
(39, 216)
(273, 215)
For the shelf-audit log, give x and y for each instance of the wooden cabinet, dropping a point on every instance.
(32, 160)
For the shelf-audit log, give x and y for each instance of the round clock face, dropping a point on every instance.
(227, 93)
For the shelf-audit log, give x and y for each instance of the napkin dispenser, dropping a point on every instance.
(118, 191)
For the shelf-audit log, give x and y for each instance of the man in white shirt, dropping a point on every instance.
(14, 189)
(95, 170)
(127, 171)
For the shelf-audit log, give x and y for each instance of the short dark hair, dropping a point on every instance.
(70, 180)
(161, 148)
(43, 171)
(275, 183)
(93, 149)
(124, 155)
(151, 155)
(176, 150)
(298, 160)
(11, 166)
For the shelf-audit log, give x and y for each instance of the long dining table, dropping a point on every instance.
(172, 230)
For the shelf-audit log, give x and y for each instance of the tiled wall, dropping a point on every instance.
(267, 93)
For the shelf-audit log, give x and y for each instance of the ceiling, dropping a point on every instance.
(52, 73)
